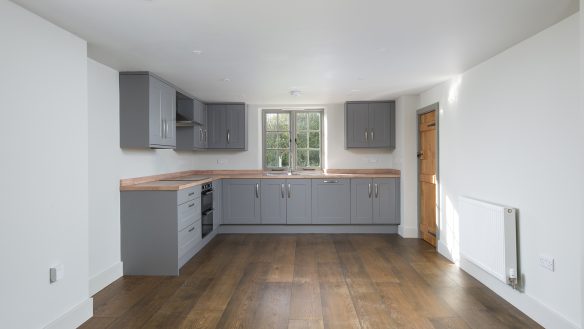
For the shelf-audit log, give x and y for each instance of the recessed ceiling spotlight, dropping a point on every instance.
(295, 93)
(355, 90)
(197, 52)
(226, 80)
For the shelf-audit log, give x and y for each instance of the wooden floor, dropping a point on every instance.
(307, 282)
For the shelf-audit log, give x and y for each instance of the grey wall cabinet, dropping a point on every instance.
(273, 201)
(192, 137)
(298, 201)
(375, 201)
(241, 201)
(147, 111)
(331, 201)
(160, 230)
(227, 126)
(370, 125)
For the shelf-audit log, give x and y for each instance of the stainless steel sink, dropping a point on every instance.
(278, 173)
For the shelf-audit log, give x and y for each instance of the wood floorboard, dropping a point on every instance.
(307, 281)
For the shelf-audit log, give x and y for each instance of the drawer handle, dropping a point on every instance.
(192, 193)
(191, 205)
(192, 229)
(331, 181)
(208, 212)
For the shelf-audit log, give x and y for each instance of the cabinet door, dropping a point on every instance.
(331, 201)
(361, 201)
(299, 201)
(198, 109)
(357, 125)
(273, 201)
(381, 133)
(169, 115)
(235, 126)
(241, 201)
(199, 137)
(386, 196)
(217, 133)
(156, 119)
(217, 203)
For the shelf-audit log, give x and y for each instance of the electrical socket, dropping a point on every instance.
(547, 262)
(221, 161)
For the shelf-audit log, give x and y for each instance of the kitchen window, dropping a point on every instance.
(292, 139)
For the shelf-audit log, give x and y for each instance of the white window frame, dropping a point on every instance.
(292, 125)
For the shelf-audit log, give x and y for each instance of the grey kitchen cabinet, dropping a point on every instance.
(362, 201)
(331, 201)
(147, 111)
(273, 201)
(227, 124)
(192, 137)
(160, 230)
(298, 201)
(370, 124)
(241, 201)
(386, 201)
(375, 201)
(217, 203)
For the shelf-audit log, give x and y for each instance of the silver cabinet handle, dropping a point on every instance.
(206, 135)
(257, 190)
(163, 128)
(372, 135)
(201, 134)
(282, 191)
(228, 136)
(376, 190)
(369, 190)
(192, 193)
(192, 229)
(330, 181)
(191, 205)
(366, 136)
(289, 191)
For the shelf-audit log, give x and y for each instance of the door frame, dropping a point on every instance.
(419, 112)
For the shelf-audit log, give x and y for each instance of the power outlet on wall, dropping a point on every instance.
(547, 262)
(221, 161)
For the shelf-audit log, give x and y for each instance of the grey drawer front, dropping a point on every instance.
(188, 213)
(188, 194)
(188, 238)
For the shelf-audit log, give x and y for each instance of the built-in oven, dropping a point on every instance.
(206, 209)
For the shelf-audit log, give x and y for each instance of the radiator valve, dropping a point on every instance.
(512, 279)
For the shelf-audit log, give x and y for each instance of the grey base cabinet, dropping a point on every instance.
(241, 201)
(160, 230)
(375, 201)
(331, 201)
(286, 201)
(298, 201)
(273, 201)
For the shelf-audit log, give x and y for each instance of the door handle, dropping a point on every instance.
(228, 136)
(192, 229)
(366, 136)
(369, 190)
(257, 191)
(163, 129)
(330, 181)
(289, 191)
(376, 190)
(282, 191)
(205, 135)
(420, 155)
(372, 135)
(201, 134)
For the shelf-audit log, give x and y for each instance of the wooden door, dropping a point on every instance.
(427, 176)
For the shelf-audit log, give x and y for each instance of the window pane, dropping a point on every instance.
(271, 122)
(314, 140)
(272, 158)
(283, 122)
(314, 158)
(301, 121)
(314, 121)
(271, 140)
(283, 140)
(285, 156)
(302, 158)
(302, 140)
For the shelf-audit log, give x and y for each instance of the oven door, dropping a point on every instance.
(206, 200)
(206, 222)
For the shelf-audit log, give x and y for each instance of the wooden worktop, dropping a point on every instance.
(173, 182)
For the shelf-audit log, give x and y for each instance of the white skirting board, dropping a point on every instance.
(105, 278)
(74, 317)
(408, 232)
(301, 229)
(536, 310)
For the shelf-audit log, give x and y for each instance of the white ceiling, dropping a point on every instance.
(331, 50)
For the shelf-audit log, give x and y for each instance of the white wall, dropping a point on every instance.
(43, 213)
(510, 133)
(336, 156)
(107, 165)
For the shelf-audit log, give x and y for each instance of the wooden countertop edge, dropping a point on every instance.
(140, 183)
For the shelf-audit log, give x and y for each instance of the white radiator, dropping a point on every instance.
(488, 238)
